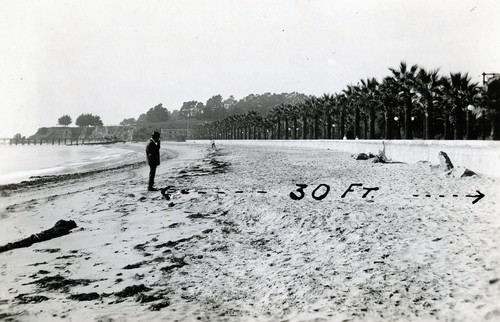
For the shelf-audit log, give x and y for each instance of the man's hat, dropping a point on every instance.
(156, 134)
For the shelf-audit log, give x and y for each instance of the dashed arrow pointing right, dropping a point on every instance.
(478, 197)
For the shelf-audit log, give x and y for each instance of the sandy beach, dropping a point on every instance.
(232, 238)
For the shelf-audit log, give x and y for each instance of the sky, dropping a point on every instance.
(118, 59)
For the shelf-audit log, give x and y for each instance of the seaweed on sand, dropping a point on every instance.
(61, 228)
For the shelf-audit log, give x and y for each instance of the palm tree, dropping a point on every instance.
(429, 85)
(268, 127)
(224, 126)
(406, 78)
(230, 121)
(369, 93)
(328, 104)
(287, 115)
(275, 117)
(459, 92)
(304, 113)
(237, 126)
(294, 113)
(316, 111)
(254, 120)
(341, 106)
(284, 115)
(388, 96)
(352, 95)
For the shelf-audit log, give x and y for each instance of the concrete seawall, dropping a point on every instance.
(479, 156)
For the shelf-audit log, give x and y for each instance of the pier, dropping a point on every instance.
(66, 141)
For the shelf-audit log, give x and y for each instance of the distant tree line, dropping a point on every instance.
(195, 113)
(216, 108)
(411, 102)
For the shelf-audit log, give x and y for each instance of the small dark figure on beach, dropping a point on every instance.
(212, 142)
(153, 157)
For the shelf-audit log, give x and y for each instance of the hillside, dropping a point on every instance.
(119, 133)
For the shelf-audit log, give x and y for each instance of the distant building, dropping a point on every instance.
(176, 134)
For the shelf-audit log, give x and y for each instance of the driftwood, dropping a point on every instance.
(61, 228)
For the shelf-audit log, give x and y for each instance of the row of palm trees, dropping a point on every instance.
(410, 102)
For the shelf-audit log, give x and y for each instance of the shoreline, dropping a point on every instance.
(227, 242)
(35, 181)
(28, 163)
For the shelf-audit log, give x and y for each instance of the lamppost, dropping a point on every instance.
(468, 130)
(397, 127)
(333, 131)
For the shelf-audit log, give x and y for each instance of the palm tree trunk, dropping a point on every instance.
(286, 128)
(295, 128)
(278, 134)
(400, 126)
(316, 127)
(371, 134)
(495, 126)
(365, 127)
(457, 130)
(342, 124)
(408, 123)
(429, 121)
(389, 135)
(356, 122)
(469, 134)
(329, 127)
(304, 127)
(447, 134)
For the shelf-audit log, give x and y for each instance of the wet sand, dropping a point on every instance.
(225, 241)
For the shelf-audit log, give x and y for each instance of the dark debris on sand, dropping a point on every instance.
(59, 283)
(30, 299)
(136, 265)
(198, 216)
(48, 250)
(61, 228)
(8, 317)
(144, 298)
(84, 296)
(210, 165)
(132, 290)
(177, 263)
(159, 306)
(174, 243)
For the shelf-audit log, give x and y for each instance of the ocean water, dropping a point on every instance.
(18, 163)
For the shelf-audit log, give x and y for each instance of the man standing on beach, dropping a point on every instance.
(153, 156)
